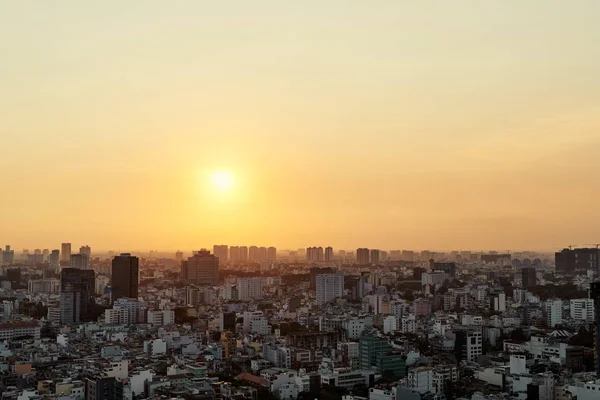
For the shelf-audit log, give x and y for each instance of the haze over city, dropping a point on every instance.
(425, 125)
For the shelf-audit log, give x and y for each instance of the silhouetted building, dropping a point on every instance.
(234, 254)
(100, 388)
(201, 269)
(314, 254)
(417, 273)
(375, 254)
(577, 261)
(528, 277)
(595, 295)
(80, 260)
(13, 275)
(363, 256)
(227, 321)
(77, 288)
(87, 250)
(65, 252)
(54, 258)
(221, 252)
(447, 267)
(271, 254)
(125, 277)
(328, 254)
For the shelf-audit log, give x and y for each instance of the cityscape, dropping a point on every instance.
(299, 200)
(254, 322)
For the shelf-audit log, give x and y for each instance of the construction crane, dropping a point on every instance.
(584, 244)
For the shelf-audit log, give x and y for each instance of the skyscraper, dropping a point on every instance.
(81, 261)
(54, 258)
(528, 277)
(363, 256)
(77, 287)
(178, 257)
(253, 254)
(572, 261)
(65, 252)
(45, 254)
(87, 250)
(374, 256)
(595, 295)
(221, 251)
(315, 254)
(243, 253)
(100, 388)
(329, 287)
(328, 254)
(201, 269)
(271, 254)
(8, 256)
(250, 288)
(125, 277)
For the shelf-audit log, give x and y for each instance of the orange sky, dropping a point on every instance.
(434, 124)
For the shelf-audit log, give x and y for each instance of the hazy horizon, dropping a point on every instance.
(413, 125)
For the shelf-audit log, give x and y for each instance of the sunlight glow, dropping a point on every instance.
(222, 180)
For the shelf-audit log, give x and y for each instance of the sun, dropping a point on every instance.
(222, 180)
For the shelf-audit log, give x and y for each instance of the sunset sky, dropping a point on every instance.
(387, 123)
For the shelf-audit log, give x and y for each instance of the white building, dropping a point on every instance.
(161, 318)
(250, 288)
(136, 310)
(255, 322)
(390, 324)
(155, 347)
(474, 346)
(500, 302)
(420, 379)
(116, 316)
(117, 369)
(434, 278)
(329, 287)
(345, 378)
(553, 312)
(582, 309)
(44, 286)
(19, 329)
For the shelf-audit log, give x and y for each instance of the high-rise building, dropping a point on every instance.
(54, 258)
(315, 271)
(13, 275)
(227, 321)
(328, 254)
(577, 261)
(87, 250)
(201, 269)
(582, 309)
(100, 388)
(243, 253)
(271, 254)
(595, 295)
(45, 254)
(8, 256)
(363, 256)
(253, 254)
(447, 267)
(329, 287)
(77, 287)
(553, 310)
(81, 261)
(125, 277)
(234, 254)
(250, 288)
(65, 252)
(375, 256)
(221, 251)
(528, 277)
(314, 254)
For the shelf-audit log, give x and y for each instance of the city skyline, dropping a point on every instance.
(447, 125)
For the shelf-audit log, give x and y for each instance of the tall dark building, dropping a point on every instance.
(125, 277)
(417, 273)
(201, 269)
(100, 388)
(528, 277)
(447, 267)
(13, 275)
(577, 261)
(77, 288)
(363, 256)
(595, 295)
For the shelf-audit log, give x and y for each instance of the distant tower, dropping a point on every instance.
(81, 261)
(125, 277)
(65, 252)
(374, 256)
(201, 269)
(222, 252)
(328, 254)
(363, 256)
(271, 254)
(87, 250)
(77, 287)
